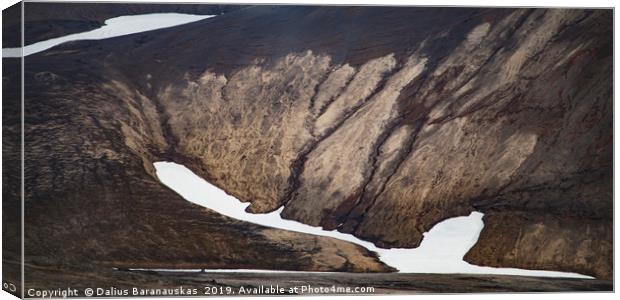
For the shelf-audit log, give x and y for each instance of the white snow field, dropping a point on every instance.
(113, 27)
(441, 251)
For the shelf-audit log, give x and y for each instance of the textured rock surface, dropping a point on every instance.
(515, 118)
(543, 242)
(97, 201)
(376, 121)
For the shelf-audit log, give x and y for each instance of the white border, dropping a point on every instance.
(505, 3)
(511, 3)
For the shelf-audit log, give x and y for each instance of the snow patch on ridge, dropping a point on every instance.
(113, 27)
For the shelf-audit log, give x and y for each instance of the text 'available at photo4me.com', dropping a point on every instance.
(266, 290)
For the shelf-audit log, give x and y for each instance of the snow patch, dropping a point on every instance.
(113, 27)
(441, 251)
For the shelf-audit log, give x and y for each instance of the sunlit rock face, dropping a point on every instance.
(380, 122)
(514, 118)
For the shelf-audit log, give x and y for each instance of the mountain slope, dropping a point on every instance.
(380, 122)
